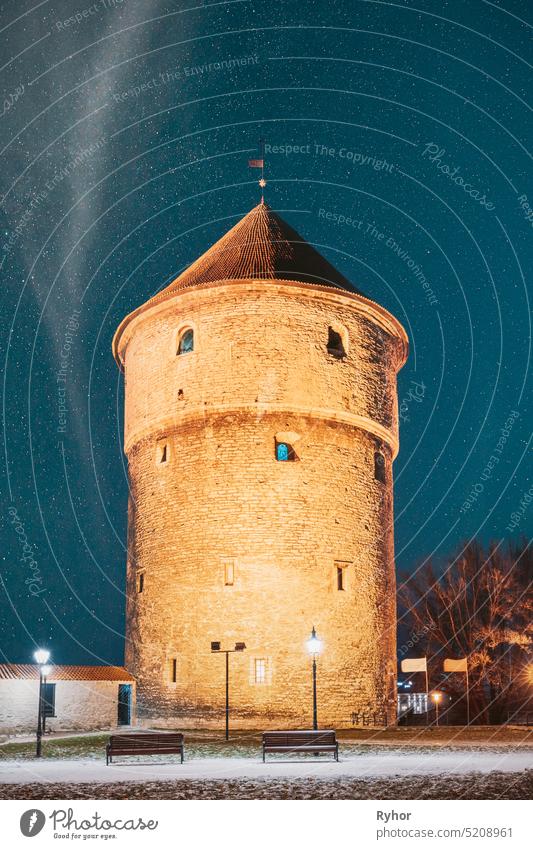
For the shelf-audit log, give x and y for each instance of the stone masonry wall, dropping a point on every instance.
(260, 370)
(260, 344)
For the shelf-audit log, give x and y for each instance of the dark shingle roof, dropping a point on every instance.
(261, 246)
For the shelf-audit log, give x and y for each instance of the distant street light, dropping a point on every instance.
(314, 647)
(41, 656)
(436, 698)
(215, 648)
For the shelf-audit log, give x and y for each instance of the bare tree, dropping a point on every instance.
(480, 607)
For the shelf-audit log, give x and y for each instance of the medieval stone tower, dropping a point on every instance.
(261, 427)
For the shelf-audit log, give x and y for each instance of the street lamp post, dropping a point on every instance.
(436, 698)
(41, 658)
(215, 648)
(314, 646)
(45, 670)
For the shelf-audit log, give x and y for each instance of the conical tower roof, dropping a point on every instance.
(261, 246)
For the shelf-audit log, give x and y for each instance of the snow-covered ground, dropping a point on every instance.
(370, 765)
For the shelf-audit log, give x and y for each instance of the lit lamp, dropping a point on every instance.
(314, 647)
(41, 656)
(436, 698)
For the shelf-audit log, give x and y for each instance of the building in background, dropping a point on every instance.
(412, 703)
(76, 698)
(261, 425)
(413, 698)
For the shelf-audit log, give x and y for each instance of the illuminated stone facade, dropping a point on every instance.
(226, 541)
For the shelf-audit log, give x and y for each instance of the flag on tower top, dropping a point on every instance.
(256, 163)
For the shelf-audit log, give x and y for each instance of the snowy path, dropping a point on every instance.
(365, 766)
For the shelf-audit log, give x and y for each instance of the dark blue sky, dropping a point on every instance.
(125, 137)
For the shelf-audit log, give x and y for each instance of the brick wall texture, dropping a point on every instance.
(260, 371)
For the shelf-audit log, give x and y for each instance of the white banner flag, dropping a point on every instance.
(459, 665)
(414, 664)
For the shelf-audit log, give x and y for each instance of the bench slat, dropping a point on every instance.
(301, 748)
(151, 743)
(301, 741)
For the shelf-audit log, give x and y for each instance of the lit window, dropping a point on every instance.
(379, 467)
(285, 452)
(173, 670)
(335, 345)
(282, 451)
(186, 341)
(260, 670)
(162, 453)
(229, 573)
(140, 584)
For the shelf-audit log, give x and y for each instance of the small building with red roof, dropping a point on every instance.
(75, 698)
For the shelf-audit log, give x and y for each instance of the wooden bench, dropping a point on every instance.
(300, 741)
(151, 743)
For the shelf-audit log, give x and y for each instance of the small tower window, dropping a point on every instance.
(341, 575)
(162, 453)
(379, 467)
(229, 573)
(260, 670)
(335, 345)
(186, 341)
(140, 582)
(285, 452)
(173, 670)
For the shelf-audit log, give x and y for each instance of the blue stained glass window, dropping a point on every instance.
(186, 343)
(282, 451)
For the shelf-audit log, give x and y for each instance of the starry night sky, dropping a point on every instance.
(125, 140)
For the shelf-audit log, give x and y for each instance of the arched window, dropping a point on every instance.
(186, 341)
(379, 467)
(335, 345)
(284, 452)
